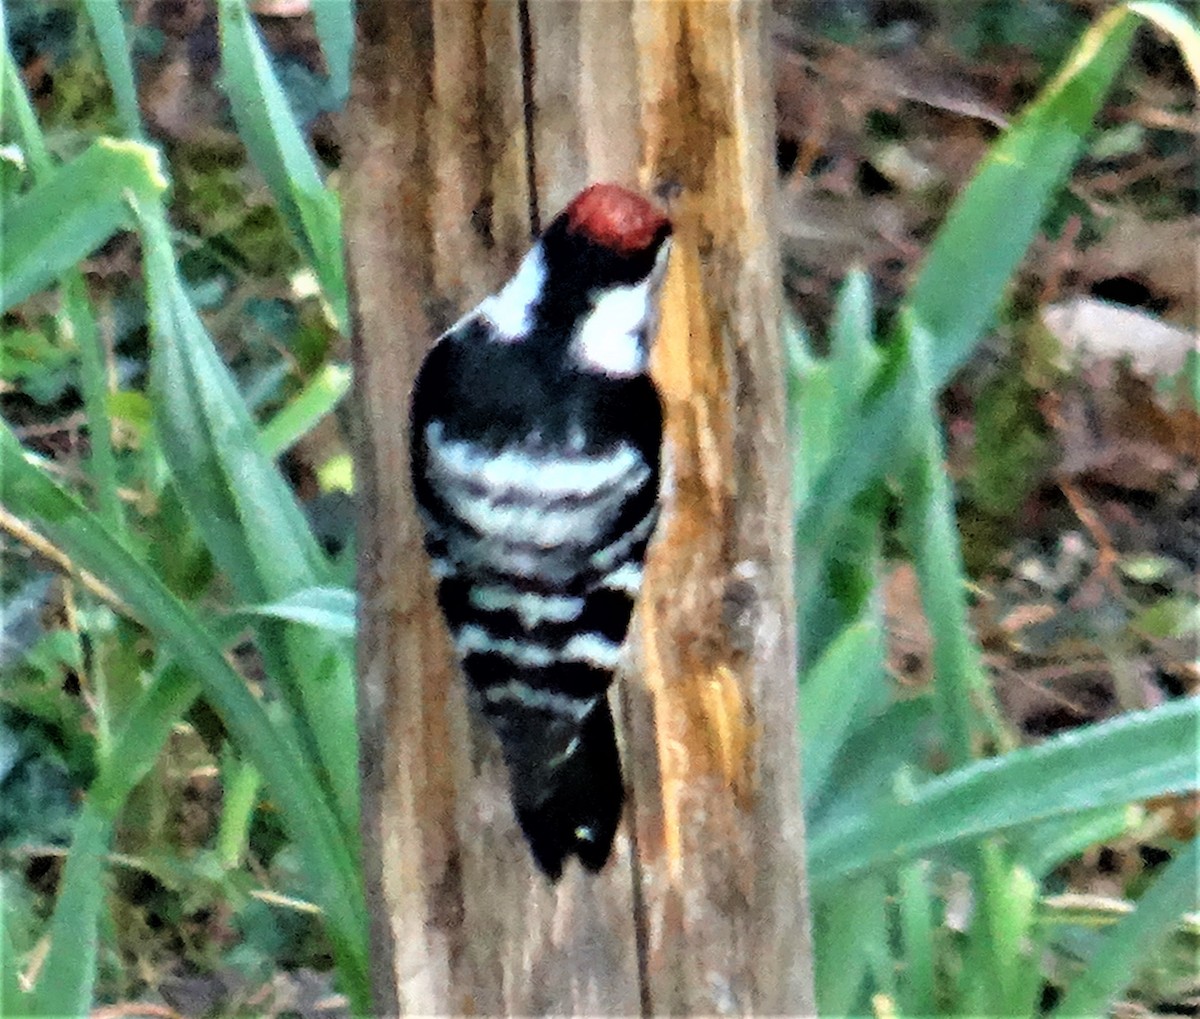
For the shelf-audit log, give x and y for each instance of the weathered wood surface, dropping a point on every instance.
(440, 161)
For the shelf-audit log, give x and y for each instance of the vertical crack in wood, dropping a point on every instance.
(527, 86)
(641, 934)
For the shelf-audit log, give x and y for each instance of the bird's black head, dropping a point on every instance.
(604, 257)
(607, 236)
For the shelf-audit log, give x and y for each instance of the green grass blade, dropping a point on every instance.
(853, 355)
(918, 986)
(76, 310)
(1135, 756)
(849, 932)
(330, 863)
(833, 696)
(824, 393)
(245, 511)
(240, 783)
(322, 393)
(878, 753)
(327, 608)
(16, 109)
(62, 220)
(64, 986)
(65, 983)
(335, 30)
(961, 689)
(1133, 940)
(811, 403)
(141, 737)
(268, 129)
(993, 222)
(108, 22)
(932, 537)
(880, 432)
(240, 502)
(1007, 974)
(93, 372)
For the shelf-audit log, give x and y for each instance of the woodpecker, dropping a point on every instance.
(536, 443)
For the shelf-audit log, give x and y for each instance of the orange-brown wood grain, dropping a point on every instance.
(701, 719)
(717, 614)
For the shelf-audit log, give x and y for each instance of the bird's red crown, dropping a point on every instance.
(615, 217)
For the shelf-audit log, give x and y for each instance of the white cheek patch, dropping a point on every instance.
(611, 337)
(511, 310)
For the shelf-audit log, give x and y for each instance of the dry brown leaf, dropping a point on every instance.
(1166, 252)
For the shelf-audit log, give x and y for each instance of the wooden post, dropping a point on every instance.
(447, 166)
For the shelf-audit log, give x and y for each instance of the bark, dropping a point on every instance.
(703, 907)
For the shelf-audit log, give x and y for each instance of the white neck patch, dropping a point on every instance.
(511, 310)
(610, 338)
(613, 337)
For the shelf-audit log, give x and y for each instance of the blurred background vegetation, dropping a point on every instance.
(999, 627)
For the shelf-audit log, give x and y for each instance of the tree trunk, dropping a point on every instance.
(469, 123)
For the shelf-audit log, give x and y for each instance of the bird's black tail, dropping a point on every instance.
(566, 784)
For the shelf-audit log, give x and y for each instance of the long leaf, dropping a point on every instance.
(1133, 940)
(834, 693)
(108, 22)
(64, 986)
(268, 128)
(318, 398)
(849, 932)
(245, 512)
(1135, 756)
(58, 223)
(16, 109)
(853, 355)
(327, 608)
(77, 314)
(915, 906)
(880, 749)
(68, 975)
(334, 21)
(993, 222)
(240, 502)
(930, 529)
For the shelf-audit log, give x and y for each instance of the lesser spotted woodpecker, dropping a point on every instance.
(536, 441)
